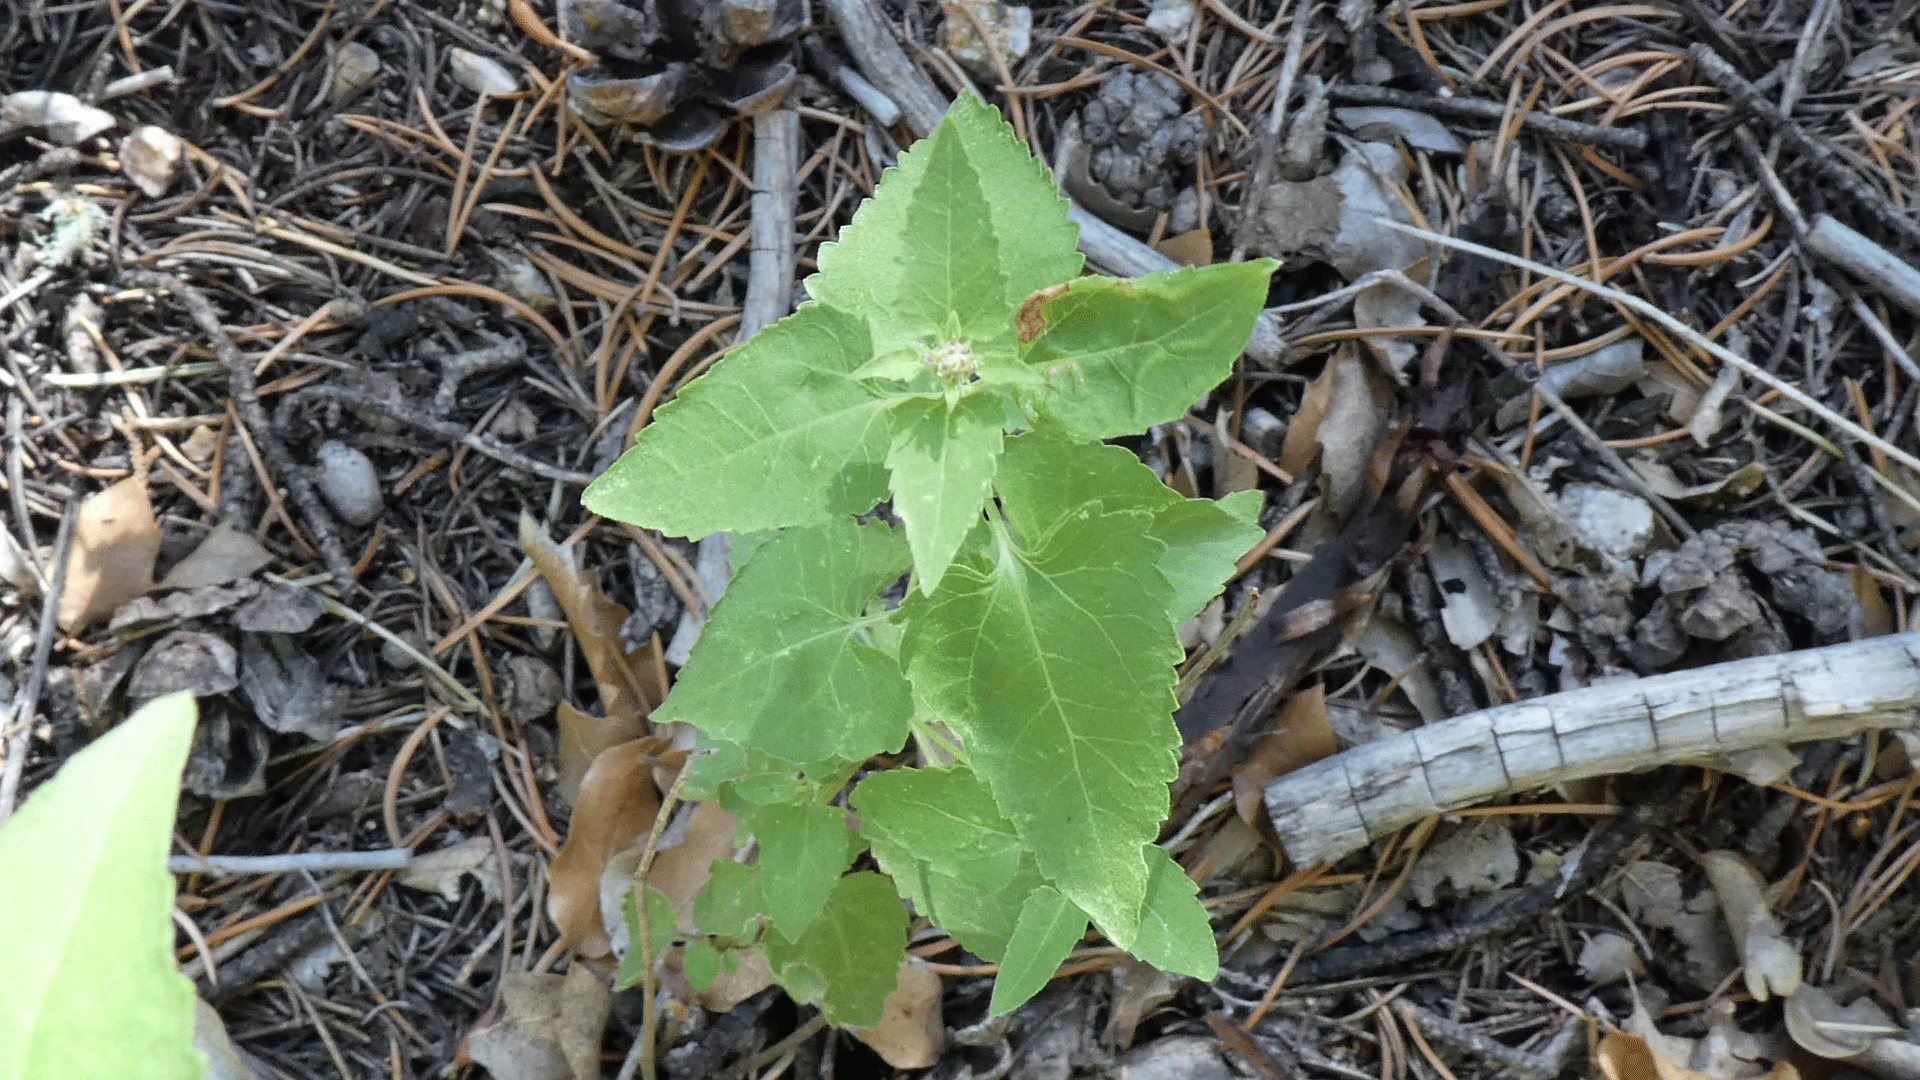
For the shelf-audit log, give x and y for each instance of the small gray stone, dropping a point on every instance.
(348, 483)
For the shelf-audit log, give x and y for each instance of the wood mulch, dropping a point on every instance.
(486, 297)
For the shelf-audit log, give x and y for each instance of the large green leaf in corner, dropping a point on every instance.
(88, 987)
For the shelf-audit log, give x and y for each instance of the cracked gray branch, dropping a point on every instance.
(1336, 805)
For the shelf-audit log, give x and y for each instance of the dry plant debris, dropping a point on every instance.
(239, 237)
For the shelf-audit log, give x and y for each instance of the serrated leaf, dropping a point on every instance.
(86, 928)
(863, 270)
(1056, 664)
(1049, 926)
(849, 958)
(942, 464)
(778, 434)
(1123, 355)
(1174, 932)
(782, 665)
(1044, 479)
(663, 926)
(944, 818)
(803, 849)
(950, 267)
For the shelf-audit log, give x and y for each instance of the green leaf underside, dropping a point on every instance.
(1034, 243)
(91, 988)
(942, 463)
(781, 667)
(942, 817)
(777, 434)
(803, 849)
(1042, 479)
(1123, 355)
(1056, 664)
(1049, 926)
(848, 959)
(1174, 932)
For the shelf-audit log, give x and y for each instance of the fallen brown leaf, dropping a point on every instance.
(550, 1027)
(628, 690)
(115, 543)
(911, 1030)
(616, 809)
(225, 554)
(1301, 735)
(583, 737)
(1620, 1056)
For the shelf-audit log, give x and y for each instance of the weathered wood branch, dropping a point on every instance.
(1337, 805)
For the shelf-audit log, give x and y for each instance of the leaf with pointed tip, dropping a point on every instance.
(1049, 926)
(1123, 355)
(1044, 478)
(803, 849)
(86, 931)
(848, 959)
(1174, 932)
(778, 434)
(950, 268)
(1056, 665)
(866, 269)
(784, 666)
(942, 463)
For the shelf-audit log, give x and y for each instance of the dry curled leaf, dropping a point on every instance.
(1860, 1034)
(1770, 963)
(628, 690)
(550, 1027)
(616, 809)
(582, 739)
(115, 543)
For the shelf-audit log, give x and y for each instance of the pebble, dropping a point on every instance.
(348, 483)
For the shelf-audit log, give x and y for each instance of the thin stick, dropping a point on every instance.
(21, 722)
(1694, 337)
(318, 862)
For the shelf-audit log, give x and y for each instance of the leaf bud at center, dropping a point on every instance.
(953, 362)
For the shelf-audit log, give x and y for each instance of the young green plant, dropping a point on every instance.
(954, 366)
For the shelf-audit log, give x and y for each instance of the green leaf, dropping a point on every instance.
(942, 817)
(1123, 355)
(1174, 932)
(779, 433)
(663, 927)
(803, 849)
(1044, 479)
(1055, 663)
(950, 268)
(848, 959)
(942, 463)
(731, 904)
(1049, 927)
(865, 270)
(701, 963)
(86, 927)
(783, 665)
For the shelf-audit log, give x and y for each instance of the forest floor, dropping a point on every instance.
(310, 346)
